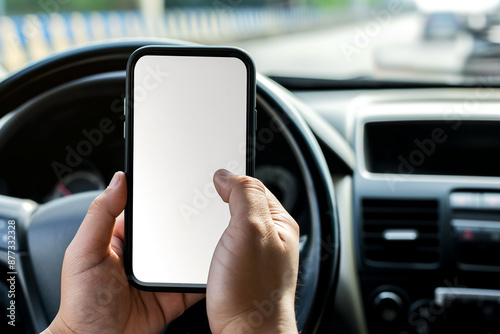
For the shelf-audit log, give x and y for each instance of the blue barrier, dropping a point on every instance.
(199, 24)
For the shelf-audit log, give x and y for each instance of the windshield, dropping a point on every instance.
(421, 40)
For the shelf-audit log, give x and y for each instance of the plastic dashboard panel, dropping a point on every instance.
(415, 282)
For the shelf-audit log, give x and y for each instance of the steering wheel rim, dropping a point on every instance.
(321, 264)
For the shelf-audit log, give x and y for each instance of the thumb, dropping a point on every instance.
(94, 235)
(222, 184)
(246, 197)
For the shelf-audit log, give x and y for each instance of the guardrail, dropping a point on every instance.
(33, 37)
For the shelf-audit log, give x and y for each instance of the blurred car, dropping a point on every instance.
(441, 26)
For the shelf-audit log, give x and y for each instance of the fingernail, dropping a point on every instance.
(115, 180)
(223, 173)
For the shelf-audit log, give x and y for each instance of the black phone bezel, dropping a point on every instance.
(190, 51)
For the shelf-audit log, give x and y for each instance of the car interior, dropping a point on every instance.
(392, 176)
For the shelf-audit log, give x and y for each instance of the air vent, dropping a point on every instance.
(400, 231)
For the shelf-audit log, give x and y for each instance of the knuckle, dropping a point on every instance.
(97, 205)
(295, 227)
(68, 252)
(287, 220)
(247, 182)
(257, 228)
(101, 208)
(291, 225)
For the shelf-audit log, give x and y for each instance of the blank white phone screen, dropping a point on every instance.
(189, 119)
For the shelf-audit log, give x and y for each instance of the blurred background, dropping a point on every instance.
(413, 40)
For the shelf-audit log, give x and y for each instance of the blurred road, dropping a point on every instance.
(393, 48)
(31, 37)
(281, 42)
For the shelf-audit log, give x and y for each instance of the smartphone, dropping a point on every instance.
(189, 112)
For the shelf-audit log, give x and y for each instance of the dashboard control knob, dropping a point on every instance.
(389, 306)
(424, 315)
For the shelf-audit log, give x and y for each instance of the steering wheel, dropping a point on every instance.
(43, 231)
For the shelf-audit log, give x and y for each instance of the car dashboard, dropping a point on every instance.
(420, 213)
(415, 172)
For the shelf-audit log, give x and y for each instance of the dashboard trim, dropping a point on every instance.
(418, 111)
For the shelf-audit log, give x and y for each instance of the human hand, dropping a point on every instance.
(95, 293)
(253, 275)
(251, 283)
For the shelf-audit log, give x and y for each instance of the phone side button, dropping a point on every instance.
(124, 129)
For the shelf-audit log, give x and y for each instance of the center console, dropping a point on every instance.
(427, 216)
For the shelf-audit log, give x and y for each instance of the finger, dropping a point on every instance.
(281, 216)
(94, 235)
(246, 197)
(118, 239)
(119, 230)
(192, 298)
(177, 303)
(222, 185)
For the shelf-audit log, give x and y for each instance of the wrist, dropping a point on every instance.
(244, 326)
(57, 326)
(260, 320)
